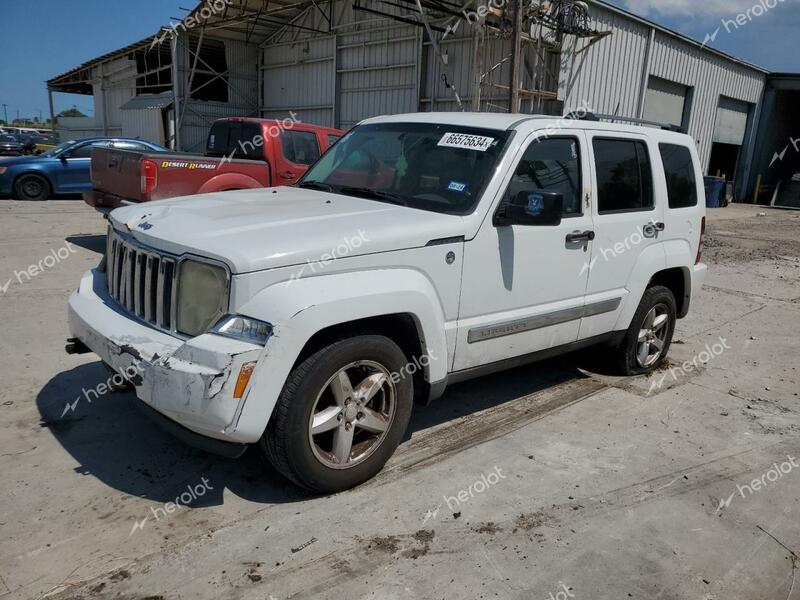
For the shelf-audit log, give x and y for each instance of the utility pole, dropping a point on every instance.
(5, 111)
(513, 96)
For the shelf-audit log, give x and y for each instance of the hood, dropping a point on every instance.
(10, 161)
(253, 230)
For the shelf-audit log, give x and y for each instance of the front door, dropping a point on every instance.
(523, 286)
(297, 151)
(73, 174)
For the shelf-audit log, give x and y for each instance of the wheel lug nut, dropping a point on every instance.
(360, 415)
(348, 426)
(339, 417)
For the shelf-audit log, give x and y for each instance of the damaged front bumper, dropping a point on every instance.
(190, 382)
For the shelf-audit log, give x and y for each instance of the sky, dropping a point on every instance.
(43, 38)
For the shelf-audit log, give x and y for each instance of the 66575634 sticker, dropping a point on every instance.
(481, 143)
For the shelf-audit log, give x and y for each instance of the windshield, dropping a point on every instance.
(7, 138)
(441, 168)
(58, 149)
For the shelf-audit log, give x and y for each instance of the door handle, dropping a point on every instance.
(651, 229)
(286, 175)
(580, 236)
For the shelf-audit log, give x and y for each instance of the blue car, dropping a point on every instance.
(62, 170)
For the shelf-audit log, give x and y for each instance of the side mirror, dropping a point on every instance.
(531, 207)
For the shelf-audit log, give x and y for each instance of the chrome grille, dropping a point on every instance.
(142, 281)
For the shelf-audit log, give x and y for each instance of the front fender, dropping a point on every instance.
(299, 308)
(230, 181)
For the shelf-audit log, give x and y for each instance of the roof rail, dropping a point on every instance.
(590, 116)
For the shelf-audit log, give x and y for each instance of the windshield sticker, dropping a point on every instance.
(481, 143)
(457, 186)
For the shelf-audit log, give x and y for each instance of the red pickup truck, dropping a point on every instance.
(241, 153)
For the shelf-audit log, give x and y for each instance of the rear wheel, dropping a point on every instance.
(647, 341)
(341, 414)
(32, 187)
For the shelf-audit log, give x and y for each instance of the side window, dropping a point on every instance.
(679, 173)
(333, 138)
(551, 165)
(300, 147)
(84, 151)
(624, 178)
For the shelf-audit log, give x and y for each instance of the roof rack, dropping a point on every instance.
(590, 116)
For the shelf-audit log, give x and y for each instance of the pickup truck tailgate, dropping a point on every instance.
(117, 172)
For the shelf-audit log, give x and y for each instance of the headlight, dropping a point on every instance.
(244, 328)
(202, 296)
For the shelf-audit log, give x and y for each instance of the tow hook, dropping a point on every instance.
(75, 346)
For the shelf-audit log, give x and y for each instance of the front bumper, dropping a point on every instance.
(190, 382)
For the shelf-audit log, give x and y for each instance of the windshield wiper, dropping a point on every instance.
(374, 194)
(315, 185)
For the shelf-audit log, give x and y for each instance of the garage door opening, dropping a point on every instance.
(730, 136)
(724, 158)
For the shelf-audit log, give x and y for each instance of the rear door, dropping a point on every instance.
(628, 221)
(296, 151)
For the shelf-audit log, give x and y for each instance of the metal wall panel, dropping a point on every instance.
(116, 82)
(197, 116)
(606, 77)
(381, 67)
(145, 124)
(711, 76)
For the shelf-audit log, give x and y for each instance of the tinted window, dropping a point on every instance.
(333, 138)
(551, 165)
(236, 139)
(85, 151)
(624, 180)
(300, 147)
(679, 173)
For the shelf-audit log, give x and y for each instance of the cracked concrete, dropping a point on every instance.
(612, 490)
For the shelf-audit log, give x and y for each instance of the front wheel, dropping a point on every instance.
(647, 341)
(341, 414)
(32, 187)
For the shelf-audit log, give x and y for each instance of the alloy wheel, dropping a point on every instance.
(352, 414)
(652, 336)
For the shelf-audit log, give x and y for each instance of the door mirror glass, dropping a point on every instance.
(532, 207)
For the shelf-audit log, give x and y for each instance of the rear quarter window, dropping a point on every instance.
(679, 174)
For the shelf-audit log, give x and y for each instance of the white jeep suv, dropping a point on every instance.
(420, 250)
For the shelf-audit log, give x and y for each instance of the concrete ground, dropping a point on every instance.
(550, 481)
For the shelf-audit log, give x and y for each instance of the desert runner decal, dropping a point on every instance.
(481, 143)
(170, 164)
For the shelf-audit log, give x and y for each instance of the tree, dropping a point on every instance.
(71, 112)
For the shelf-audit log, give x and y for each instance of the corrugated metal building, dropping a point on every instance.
(335, 62)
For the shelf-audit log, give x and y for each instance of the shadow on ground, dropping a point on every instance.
(93, 243)
(113, 441)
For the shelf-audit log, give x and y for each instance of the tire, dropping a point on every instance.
(32, 187)
(315, 387)
(657, 301)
